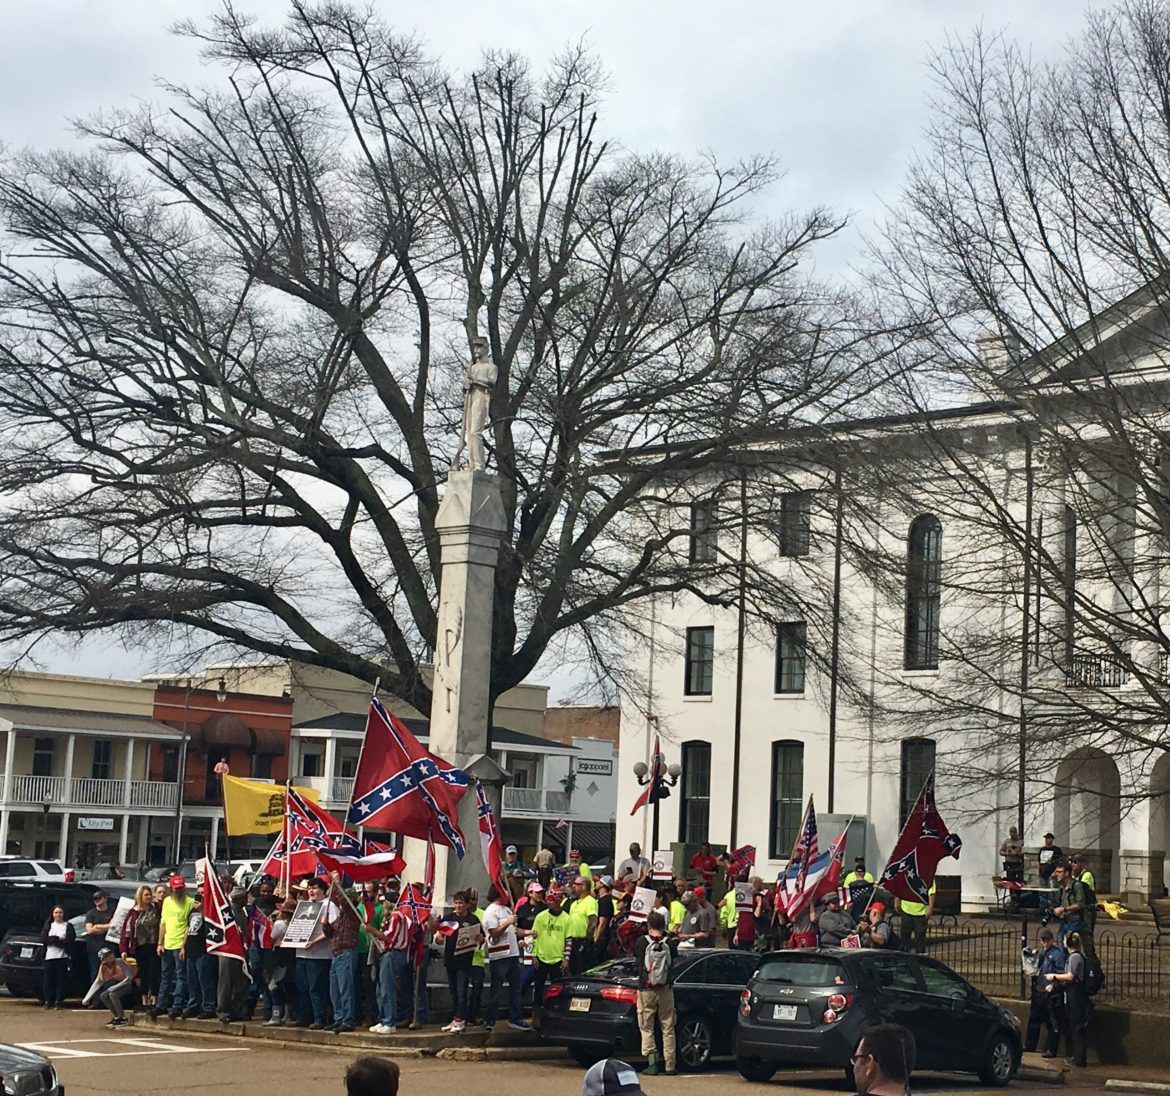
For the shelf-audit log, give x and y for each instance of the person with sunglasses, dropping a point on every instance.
(883, 1061)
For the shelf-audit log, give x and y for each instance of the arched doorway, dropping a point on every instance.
(1088, 811)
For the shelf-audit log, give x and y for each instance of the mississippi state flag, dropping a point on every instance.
(372, 861)
(223, 934)
(656, 788)
(403, 787)
(490, 843)
(923, 842)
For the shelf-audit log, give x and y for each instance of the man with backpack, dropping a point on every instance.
(654, 960)
(1076, 908)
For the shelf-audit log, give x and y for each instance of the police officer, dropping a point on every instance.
(1047, 1007)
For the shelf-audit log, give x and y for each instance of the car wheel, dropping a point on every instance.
(999, 1063)
(756, 1069)
(584, 1054)
(694, 1039)
(14, 992)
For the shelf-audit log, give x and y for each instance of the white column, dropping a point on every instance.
(330, 767)
(143, 838)
(67, 791)
(214, 836)
(9, 761)
(128, 774)
(63, 847)
(124, 838)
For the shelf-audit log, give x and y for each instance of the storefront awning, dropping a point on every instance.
(268, 743)
(225, 730)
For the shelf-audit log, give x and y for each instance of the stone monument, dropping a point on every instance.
(470, 526)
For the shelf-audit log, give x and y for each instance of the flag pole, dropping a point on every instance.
(361, 751)
(776, 907)
(286, 869)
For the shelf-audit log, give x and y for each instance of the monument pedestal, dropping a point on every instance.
(470, 525)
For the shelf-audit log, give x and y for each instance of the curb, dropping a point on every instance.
(500, 1054)
(1045, 1076)
(1137, 1086)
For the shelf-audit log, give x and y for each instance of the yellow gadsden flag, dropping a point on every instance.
(251, 806)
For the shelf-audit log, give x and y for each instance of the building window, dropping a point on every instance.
(170, 764)
(790, 657)
(700, 668)
(795, 511)
(261, 766)
(695, 804)
(103, 753)
(703, 531)
(923, 593)
(42, 760)
(787, 797)
(917, 765)
(347, 761)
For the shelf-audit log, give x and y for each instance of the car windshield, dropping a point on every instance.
(803, 970)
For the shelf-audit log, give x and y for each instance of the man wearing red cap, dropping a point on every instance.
(177, 908)
(875, 929)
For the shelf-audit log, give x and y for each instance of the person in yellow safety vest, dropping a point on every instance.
(578, 865)
(478, 964)
(583, 913)
(728, 914)
(859, 884)
(678, 913)
(915, 916)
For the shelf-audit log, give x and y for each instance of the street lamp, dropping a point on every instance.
(668, 775)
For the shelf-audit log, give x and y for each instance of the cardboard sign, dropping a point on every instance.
(304, 927)
(744, 899)
(642, 903)
(853, 941)
(468, 938)
(662, 865)
(121, 912)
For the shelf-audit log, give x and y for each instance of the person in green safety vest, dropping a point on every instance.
(859, 884)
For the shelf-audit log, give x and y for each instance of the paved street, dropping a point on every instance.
(145, 1059)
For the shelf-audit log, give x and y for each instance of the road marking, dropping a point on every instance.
(149, 1045)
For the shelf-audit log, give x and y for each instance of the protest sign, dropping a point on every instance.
(642, 904)
(662, 866)
(121, 912)
(304, 927)
(744, 899)
(468, 938)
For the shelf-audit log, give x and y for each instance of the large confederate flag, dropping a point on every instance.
(402, 786)
(924, 841)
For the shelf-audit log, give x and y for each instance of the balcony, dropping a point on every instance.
(1089, 671)
(90, 792)
(535, 803)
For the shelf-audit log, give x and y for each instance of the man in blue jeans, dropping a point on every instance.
(503, 952)
(457, 958)
(393, 967)
(313, 964)
(201, 969)
(342, 926)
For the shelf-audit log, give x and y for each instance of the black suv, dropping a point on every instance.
(811, 1007)
(24, 909)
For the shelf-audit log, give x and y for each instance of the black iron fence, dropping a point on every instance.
(988, 954)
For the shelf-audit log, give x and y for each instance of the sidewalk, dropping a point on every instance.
(1094, 1075)
(473, 1045)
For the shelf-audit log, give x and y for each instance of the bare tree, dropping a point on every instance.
(231, 335)
(1030, 250)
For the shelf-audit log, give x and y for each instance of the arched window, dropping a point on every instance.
(923, 593)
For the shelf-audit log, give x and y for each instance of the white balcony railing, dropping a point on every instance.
(92, 792)
(539, 802)
(342, 789)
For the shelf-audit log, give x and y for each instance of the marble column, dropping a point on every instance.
(470, 525)
(6, 786)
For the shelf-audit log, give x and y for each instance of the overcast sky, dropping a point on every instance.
(835, 88)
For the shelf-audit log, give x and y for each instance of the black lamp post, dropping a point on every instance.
(669, 776)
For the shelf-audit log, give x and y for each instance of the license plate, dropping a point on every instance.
(783, 1012)
(26, 953)
(578, 1004)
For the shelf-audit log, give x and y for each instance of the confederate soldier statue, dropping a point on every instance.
(477, 387)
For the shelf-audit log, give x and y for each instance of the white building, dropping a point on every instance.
(950, 578)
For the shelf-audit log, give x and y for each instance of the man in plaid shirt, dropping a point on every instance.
(341, 926)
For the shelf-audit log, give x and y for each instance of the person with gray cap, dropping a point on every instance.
(832, 923)
(231, 992)
(113, 981)
(610, 1077)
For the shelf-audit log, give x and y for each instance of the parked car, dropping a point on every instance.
(188, 871)
(19, 867)
(24, 908)
(25, 1073)
(811, 1006)
(22, 960)
(595, 1013)
(104, 871)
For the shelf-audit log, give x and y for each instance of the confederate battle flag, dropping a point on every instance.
(490, 843)
(402, 786)
(223, 934)
(923, 842)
